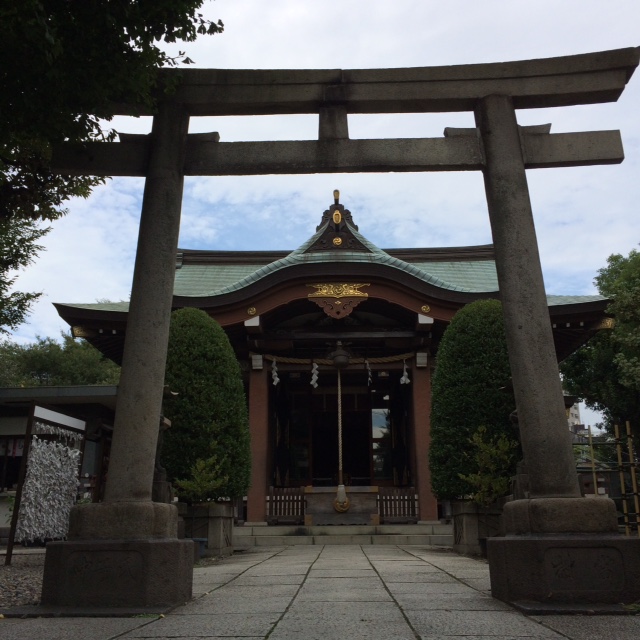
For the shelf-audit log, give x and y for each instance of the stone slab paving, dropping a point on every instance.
(336, 593)
(69, 628)
(593, 627)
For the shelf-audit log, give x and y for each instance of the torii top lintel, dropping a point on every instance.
(333, 94)
(547, 82)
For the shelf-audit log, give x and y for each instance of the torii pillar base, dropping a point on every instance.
(119, 556)
(563, 550)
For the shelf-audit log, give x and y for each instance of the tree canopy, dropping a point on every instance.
(65, 64)
(605, 372)
(209, 435)
(47, 362)
(472, 438)
(18, 244)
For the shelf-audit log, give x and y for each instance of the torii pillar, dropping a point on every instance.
(125, 551)
(558, 547)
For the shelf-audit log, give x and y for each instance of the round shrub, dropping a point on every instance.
(470, 407)
(209, 413)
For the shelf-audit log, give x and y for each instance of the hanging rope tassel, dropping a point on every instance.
(341, 502)
(405, 375)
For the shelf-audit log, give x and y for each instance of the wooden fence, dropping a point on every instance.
(397, 505)
(285, 505)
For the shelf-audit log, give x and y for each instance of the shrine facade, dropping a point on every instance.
(291, 315)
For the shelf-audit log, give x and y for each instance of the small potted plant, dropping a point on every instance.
(480, 517)
(209, 521)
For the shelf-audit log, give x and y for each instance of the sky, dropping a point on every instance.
(582, 215)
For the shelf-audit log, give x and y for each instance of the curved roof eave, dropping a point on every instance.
(558, 305)
(308, 271)
(106, 312)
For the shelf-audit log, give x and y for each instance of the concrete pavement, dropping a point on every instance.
(336, 592)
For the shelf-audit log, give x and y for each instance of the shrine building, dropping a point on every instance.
(337, 334)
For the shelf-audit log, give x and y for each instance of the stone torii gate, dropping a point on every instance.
(135, 540)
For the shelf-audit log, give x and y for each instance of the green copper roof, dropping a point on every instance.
(104, 306)
(194, 279)
(200, 280)
(475, 275)
(554, 301)
(212, 280)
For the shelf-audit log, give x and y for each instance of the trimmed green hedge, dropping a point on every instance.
(472, 368)
(209, 415)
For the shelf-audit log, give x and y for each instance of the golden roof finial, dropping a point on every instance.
(336, 196)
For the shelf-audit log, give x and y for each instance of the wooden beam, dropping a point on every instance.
(340, 335)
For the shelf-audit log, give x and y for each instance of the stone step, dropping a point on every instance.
(436, 528)
(285, 541)
(423, 534)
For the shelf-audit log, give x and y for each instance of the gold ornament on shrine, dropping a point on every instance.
(338, 299)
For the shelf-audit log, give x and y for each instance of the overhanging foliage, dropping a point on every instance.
(65, 65)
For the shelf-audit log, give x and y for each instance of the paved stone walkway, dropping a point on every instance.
(336, 592)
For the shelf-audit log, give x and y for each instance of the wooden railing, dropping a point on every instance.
(285, 505)
(397, 505)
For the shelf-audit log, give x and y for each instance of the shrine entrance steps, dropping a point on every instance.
(431, 534)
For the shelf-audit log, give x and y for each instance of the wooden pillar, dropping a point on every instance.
(421, 410)
(259, 428)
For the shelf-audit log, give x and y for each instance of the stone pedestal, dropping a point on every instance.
(563, 550)
(565, 568)
(220, 531)
(119, 555)
(117, 573)
(560, 515)
(473, 525)
(213, 522)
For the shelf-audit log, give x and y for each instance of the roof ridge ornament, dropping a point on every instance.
(344, 215)
(337, 230)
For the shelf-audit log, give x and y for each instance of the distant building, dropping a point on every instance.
(573, 414)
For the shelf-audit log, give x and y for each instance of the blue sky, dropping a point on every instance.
(582, 214)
